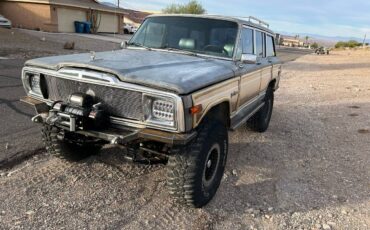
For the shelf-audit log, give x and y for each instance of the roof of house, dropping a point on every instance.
(136, 16)
(85, 4)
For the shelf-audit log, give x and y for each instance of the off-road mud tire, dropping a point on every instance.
(260, 121)
(67, 149)
(187, 166)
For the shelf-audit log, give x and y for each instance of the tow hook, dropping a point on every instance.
(39, 118)
(36, 119)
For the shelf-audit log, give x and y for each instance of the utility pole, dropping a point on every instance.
(363, 43)
(118, 3)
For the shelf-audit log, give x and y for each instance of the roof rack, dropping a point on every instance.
(254, 20)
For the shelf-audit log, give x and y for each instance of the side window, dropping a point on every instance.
(259, 44)
(247, 41)
(270, 49)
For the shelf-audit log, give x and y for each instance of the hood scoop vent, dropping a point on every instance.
(88, 75)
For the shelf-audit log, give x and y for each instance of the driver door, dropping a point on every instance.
(250, 80)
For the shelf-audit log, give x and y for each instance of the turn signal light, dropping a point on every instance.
(196, 109)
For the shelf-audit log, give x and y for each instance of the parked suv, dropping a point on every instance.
(171, 96)
(322, 50)
(129, 29)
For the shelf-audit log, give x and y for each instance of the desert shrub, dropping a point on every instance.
(314, 45)
(192, 7)
(349, 44)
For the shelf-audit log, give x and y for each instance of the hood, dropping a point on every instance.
(168, 71)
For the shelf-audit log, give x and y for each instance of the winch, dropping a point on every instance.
(79, 113)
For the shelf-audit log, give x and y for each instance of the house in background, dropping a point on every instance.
(134, 17)
(59, 15)
(291, 41)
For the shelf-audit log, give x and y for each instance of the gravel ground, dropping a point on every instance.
(26, 44)
(310, 170)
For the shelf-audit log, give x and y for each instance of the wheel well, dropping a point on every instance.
(220, 112)
(272, 84)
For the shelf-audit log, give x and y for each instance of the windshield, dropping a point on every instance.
(197, 35)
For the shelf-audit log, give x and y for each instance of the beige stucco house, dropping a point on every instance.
(291, 41)
(59, 15)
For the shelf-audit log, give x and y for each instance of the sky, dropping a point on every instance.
(346, 18)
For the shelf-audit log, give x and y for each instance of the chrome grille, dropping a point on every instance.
(117, 102)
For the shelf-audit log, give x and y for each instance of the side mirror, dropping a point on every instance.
(123, 45)
(249, 59)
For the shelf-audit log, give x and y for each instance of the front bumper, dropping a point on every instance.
(119, 135)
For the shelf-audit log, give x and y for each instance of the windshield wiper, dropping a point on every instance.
(180, 50)
(138, 45)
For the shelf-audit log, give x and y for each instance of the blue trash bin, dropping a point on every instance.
(79, 27)
(87, 27)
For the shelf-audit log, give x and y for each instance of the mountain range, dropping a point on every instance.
(325, 40)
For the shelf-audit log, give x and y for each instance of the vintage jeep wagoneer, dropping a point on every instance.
(170, 95)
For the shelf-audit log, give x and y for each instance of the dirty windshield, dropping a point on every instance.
(197, 35)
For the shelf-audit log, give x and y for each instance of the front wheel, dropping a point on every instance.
(73, 147)
(195, 170)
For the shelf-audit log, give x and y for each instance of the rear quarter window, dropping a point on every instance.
(270, 49)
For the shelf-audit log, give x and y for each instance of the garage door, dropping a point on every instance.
(66, 18)
(108, 23)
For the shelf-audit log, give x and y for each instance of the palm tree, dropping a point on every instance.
(306, 38)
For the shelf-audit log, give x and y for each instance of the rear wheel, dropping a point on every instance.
(260, 121)
(195, 170)
(71, 147)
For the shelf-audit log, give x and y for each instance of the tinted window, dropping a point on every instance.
(199, 35)
(259, 44)
(247, 41)
(270, 51)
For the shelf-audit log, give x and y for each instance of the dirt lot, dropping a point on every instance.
(310, 170)
(24, 44)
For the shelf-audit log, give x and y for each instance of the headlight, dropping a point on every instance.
(35, 84)
(161, 111)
